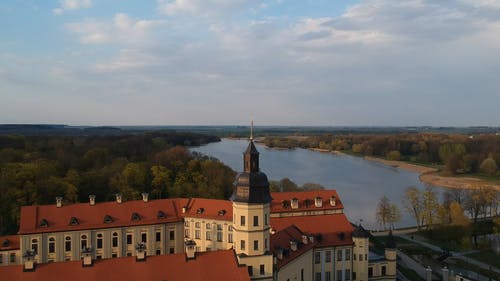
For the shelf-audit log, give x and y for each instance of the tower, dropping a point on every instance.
(251, 207)
(360, 237)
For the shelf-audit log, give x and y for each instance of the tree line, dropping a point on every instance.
(36, 169)
(457, 154)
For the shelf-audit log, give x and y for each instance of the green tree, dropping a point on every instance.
(488, 166)
(161, 181)
(394, 155)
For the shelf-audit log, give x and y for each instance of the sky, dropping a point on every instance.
(226, 62)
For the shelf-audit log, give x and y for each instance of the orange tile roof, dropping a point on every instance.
(218, 265)
(210, 209)
(92, 217)
(279, 197)
(11, 242)
(334, 229)
(281, 240)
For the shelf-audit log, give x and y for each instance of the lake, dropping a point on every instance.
(360, 183)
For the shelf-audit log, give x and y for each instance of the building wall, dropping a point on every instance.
(332, 264)
(254, 264)
(209, 234)
(10, 257)
(360, 258)
(300, 269)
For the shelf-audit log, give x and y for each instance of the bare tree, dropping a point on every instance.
(413, 204)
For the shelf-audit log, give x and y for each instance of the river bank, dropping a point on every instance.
(430, 176)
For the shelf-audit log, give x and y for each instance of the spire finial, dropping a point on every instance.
(251, 131)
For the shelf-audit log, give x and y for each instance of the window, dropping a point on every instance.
(219, 232)
(230, 237)
(265, 219)
(158, 236)
(328, 256)
(209, 226)
(366, 257)
(339, 255)
(186, 232)
(262, 269)
(171, 250)
(384, 270)
(339, 275)
(250, 270)
(328, 276)
(360, 257)
(197, 234)
(370, 271)
(197, 224)
(318, 276)
(255, 220)
(144, 237)
(67, 244)
(353, 257)
(353, 275)
(129, 239)
(265, 244)
(347, 254)
(99, 241)
(242, 244)
(83, 241)
(256, 245)
(186, 223)
(12, 258)
(302, 274)
(347, 274)
(242, 220)
(171, 235)
(208, 235)
(317, 257)
(158, 252)
(1, 259)
(52, 245)
(34, 245)
(114, 240)
(114, 255)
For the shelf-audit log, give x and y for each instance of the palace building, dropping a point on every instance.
(268, 236)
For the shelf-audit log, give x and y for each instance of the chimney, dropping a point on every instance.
(293, 245)
(190, 249)
(304, 239)
(279, 253)
(295, 203)
(318, 202)
(118, 198)
(140, 250)
(87, 257)
(184, 209)
(29, 260)
(311, 238)
(92, 199)
(333, 201)
(145, 197)
(59, 202)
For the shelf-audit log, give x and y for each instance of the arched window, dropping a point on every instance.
(52, 245)
(99, 241)
(114, 240)
(83, 241)
(67, 244)
(34, 245)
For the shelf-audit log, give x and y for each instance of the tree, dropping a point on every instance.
(488, 166)
(160, 182)
(395, 215)
(394, 155)
(412, 202)
(383, 212)
(312, 186)
(457, 215)
(429, 206)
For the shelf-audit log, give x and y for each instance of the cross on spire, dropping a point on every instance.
(251, 131)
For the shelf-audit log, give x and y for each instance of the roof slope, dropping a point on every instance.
(208, 266)
(302, 196)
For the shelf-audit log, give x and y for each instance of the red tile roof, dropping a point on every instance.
(281, 240)
(218, 265)
(279, 197)
(334, 229)
(11, 242)
(92, 217)
(210, 209)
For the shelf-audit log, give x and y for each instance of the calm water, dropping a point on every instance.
(359, 183)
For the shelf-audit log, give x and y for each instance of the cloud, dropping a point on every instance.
(71, 5)
(201, 7)
(121, 29)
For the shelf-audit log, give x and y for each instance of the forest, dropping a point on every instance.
(36, 169)
(455, 154)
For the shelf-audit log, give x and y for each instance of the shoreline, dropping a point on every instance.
(429, 176)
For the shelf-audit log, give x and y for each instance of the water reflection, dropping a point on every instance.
(360, 183)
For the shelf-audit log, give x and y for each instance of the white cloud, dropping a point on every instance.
(122, 29)
(66, 5)
(201, 7)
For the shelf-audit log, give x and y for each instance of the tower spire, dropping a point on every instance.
(251, 131)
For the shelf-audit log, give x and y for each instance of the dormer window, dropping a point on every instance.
(285, 204)
(295, 203)
(318, 202)
(44, 223)
(200, 211)
(161, 215)
(135, 217)
(73, 221)
(108, 219)
(333, 201)
(222, 212)
(6, 243)
(307, 203)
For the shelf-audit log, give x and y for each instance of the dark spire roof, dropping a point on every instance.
(391, 244)
(251, 149)
(360, 232)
